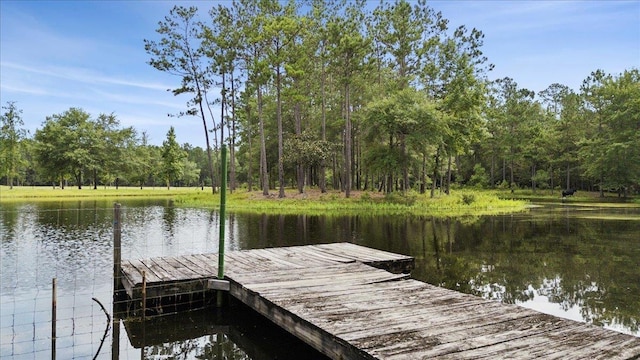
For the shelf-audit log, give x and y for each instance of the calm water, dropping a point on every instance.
(577, 262)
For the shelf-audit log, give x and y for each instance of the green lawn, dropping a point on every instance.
(25, 193)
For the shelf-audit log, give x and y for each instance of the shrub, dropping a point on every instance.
(468, 199)
(479, 179)
(365, 197)
(408, 198)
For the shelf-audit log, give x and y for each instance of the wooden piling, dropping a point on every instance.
(115, 335)
(144, 295)
(117, 252)
(53, 318)
(117, 283)
(223, 201)
(144, 312)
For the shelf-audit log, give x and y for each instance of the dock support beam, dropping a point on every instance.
(54, 305)
(223, 200)
(117, 283)
(117, 252)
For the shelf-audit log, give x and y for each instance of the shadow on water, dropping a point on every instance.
(233, 332)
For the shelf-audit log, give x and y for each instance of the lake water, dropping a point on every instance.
(578, 262)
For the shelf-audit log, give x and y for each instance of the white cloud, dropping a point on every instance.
(81, 74)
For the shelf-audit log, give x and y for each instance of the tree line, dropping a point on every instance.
(335, 94)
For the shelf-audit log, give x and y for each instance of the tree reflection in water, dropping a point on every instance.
(585, 266)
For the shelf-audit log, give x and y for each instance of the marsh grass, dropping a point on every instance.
(579, 197)
(312, 202)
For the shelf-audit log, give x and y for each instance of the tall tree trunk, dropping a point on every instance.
(448, 176)
(390, 180)
(533, 178)
(199, 97)
(511, 179)
(423, 174)
(493, 168)
(299, 166)
(250, 151)
(405, 164)
(504, 169)
(334, 178)
(568, 176)
(232, 140)
(322, 182)
(280, 139)
(264, 174)
(347, 160)
(551, 177)
(435, 172)
(79, 179)
(223, 107)
(442, 182)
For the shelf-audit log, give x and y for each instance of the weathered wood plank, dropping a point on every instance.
(239, 261)
(326, 281)
(295, 256)
(302, 329)
(360, 253)
(204, 268)
(180, 271)
(135, 273)
(155, 267)
(516, 341)
(317, 253)
(312, 273)
(278, 262)
(395, 263)
(329, 298)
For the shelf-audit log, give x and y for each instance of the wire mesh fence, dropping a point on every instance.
(74, 244)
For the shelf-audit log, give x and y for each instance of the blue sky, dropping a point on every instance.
(90, 54)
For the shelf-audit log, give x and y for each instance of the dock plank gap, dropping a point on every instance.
(353, 302)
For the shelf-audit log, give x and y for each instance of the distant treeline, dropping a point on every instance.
(341, 95)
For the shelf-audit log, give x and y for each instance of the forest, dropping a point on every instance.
(338, 95)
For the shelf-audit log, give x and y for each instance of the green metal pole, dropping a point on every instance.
(223, 204)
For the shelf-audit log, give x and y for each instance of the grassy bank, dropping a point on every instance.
(46, 193)
(585, 197)
(312, 202)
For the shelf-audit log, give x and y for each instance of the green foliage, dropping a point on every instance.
(479, 178)
(408, 198)
(72, 144)
(468, 199)
(504, 185)
(173, 158)
(366, 197)
(542, 179)
(612, 154)
(11, 136)
(306, 149)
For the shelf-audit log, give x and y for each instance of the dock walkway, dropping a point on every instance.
(332, 297)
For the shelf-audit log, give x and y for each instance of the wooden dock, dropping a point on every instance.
(352, 302)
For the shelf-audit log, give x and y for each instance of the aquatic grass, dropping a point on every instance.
(579, 196)
(459, 203)
(312, 202)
